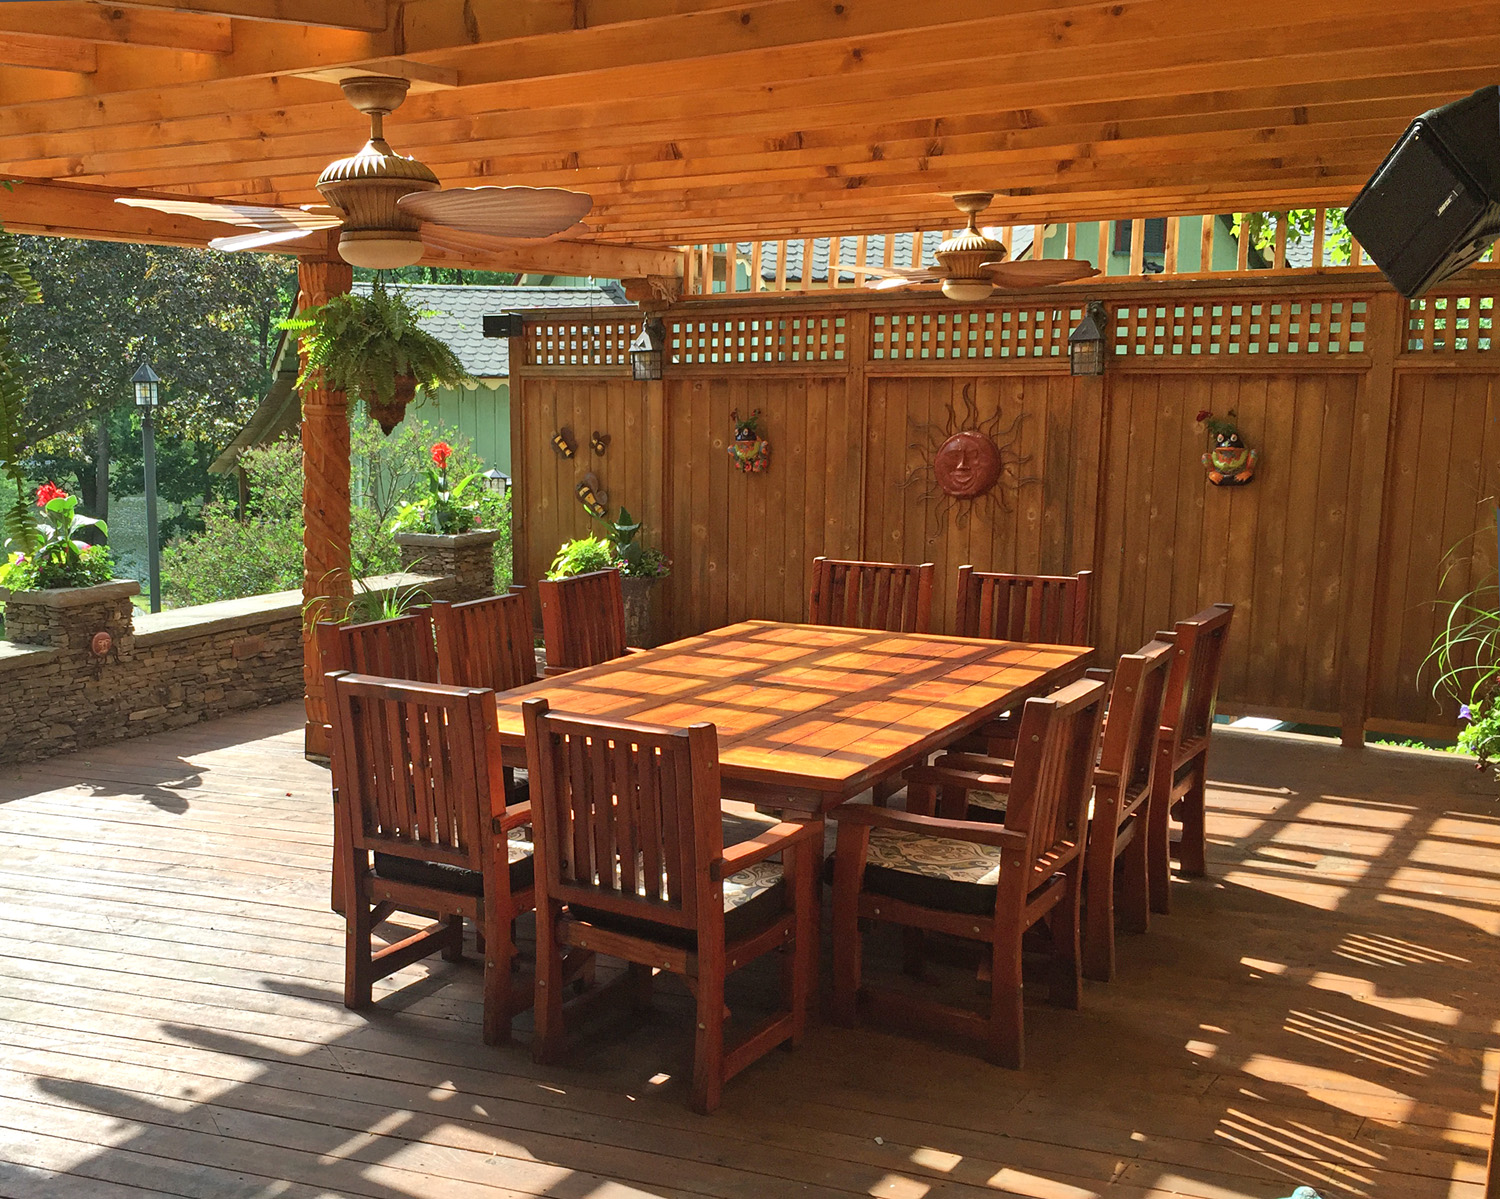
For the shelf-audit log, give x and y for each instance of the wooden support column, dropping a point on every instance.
(327, 586)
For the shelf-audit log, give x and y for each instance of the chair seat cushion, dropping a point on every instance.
(443, 877)
(933, 872)
(990, 801)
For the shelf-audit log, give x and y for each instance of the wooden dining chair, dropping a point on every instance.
(583, 620)
(416, 775)
(892, 596)
(1180, 785)
(633, 864)
(485, 642)
(400, 647)
(976, 880)
(976, 787)
(1050, 609)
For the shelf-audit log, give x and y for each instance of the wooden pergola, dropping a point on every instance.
(694, 120)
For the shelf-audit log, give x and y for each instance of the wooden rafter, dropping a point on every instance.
(696, 120)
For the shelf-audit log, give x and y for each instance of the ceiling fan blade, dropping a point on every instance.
(253, 216)
(1038, 272)
(514, 212)
(253, 241)
(909, 274)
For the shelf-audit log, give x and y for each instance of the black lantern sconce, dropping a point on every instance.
(646, 350)
(1087, 349)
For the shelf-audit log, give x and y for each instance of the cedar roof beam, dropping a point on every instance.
(369, 16)
(78, 21)
(48, 53)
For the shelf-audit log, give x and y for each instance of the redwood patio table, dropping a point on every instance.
(808, 715)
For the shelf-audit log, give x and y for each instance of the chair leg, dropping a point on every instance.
(1192, 853)
(1099, 932)
(1067, 977)
(454, 950)
(1159, 844)
(708, 1047)
(1135, 903)
(497, 958)
(848, 869)
(547, 1012)
(359, 971)
(337, 900)
(800, 968)
(641, 984)
(1004, 1046)
(881, 792)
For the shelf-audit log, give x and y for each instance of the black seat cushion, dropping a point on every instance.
(443, 877)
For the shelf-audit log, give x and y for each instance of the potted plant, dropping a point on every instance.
(49, 569)
(371, 347)
(438, 530)
(640, 570)
(1466, 657)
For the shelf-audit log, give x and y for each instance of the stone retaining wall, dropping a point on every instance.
(170, 669)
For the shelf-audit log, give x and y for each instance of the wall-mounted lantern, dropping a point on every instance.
(1086, 346)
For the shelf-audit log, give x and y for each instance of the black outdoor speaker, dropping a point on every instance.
(506, 324)
(1433, 207)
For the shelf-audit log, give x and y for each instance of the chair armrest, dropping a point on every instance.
(976, 763)
(775, 839)
(550, 671)
(517, 815)
(976, 832)
(1106, 778)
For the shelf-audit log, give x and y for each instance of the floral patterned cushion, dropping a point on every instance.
(933, 872)
(990, 801)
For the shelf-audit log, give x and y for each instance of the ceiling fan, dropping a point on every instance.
(972, 265)
(386, 205)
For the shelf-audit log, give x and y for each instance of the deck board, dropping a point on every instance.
(1316, 1011)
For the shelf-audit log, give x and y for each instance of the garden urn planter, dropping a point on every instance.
(70, 618)
(468, 557)
(640, 610)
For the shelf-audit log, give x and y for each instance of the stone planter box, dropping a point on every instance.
(640, 611)
(468, 557)
(67, 618)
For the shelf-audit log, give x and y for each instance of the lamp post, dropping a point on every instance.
(146, 399)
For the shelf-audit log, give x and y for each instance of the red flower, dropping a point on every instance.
(1203, 415)
(48, 492)
(441, 452)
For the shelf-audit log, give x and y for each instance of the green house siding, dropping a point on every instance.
(482, 414)
(1189, 246)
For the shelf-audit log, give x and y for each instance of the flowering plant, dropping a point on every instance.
(443, 509)
(59, 558)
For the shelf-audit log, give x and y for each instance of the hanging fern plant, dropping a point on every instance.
(371, 348)
(16, 286)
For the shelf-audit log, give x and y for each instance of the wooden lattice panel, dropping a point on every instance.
(1314, 325)
(938, 335)
(579, 341)
(1454, 323)
(735, 340)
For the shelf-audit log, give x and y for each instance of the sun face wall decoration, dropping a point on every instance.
(966, 460)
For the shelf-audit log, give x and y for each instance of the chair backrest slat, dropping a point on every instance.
(399, 648)
(485, 642)
(627, 815)
(1054, 773)
(583, 619)
(416, 761)
(1046, 609)
(1137, 695)
(893, 596)
(1193, 689)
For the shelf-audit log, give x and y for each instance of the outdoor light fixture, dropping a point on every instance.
(497, 481)
(1086, 348)
(646, 349)
(147, 397)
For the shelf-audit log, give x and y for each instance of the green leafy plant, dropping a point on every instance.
(1465, 656)
(1260, 228)
(59, 557)
(633, 559)
(362, 344)
(19, 520)
(443, 509)
(582, 556)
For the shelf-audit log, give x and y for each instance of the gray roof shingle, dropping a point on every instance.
(459, 311)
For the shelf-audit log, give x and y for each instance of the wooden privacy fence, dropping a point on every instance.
(1374, 421)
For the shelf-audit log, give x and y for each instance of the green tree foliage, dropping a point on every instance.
(206, 320)
(1260, 227)
(263, 553)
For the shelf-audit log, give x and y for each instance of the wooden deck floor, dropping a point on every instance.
(1319, 1011)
